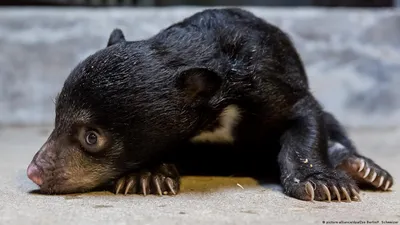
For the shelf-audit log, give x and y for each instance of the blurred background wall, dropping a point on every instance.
(351, 49)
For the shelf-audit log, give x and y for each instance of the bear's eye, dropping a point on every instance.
(91, 137)
(92, 140)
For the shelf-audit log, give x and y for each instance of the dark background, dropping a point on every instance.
(325, 3)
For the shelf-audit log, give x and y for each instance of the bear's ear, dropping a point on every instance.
(116, 36)
(198, 84)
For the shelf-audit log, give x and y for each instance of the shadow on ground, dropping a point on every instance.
(192, 185)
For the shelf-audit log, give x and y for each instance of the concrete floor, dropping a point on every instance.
(204, 200)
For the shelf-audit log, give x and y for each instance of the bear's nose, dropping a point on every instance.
(34, 174)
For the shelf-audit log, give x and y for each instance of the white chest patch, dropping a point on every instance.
(228, 119)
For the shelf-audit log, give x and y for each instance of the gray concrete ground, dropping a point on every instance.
(204, 200)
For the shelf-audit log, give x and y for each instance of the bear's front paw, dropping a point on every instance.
(326, 186)
(164, 180)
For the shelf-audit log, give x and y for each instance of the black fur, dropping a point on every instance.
(151, 96)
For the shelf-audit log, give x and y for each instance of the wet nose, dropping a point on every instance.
(34, 174)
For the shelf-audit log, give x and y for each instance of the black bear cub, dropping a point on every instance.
(220, 92)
